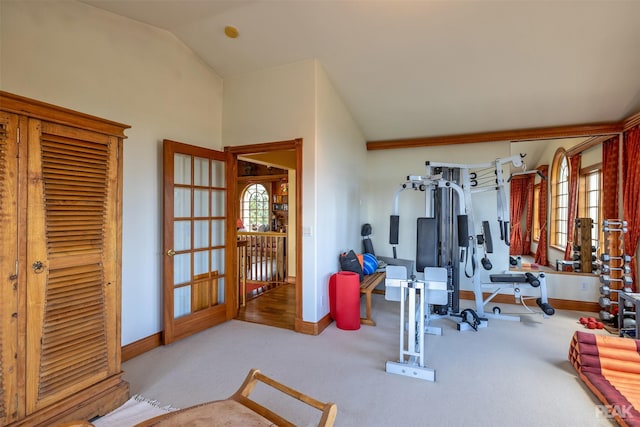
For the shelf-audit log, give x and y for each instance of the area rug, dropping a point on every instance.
(132, 412)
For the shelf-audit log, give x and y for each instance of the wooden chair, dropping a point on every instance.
(240, 410)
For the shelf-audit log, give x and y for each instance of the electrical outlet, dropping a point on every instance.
(584, 286)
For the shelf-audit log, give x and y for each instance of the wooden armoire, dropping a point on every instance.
(60, 264)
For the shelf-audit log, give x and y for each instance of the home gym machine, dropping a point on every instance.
(446, 245)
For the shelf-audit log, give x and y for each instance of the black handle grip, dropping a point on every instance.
(505, 224)
(393, 230)
(463, 231)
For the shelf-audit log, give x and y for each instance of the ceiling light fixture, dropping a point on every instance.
(231, 31)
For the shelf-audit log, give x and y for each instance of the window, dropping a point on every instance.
(254, 207)
(560, 199)
(589, 205)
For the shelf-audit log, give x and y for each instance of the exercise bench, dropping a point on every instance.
(514, 281)
(368, 287)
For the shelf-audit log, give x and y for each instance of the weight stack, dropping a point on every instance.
(584, 253)
(614, 270)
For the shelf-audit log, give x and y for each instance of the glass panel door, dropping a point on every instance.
(195, 219)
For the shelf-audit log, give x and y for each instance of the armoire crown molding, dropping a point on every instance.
(41, 110)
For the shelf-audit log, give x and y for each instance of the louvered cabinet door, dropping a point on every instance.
(72, 264)
(9, 300)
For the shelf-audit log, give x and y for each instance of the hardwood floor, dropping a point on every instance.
(274, 307)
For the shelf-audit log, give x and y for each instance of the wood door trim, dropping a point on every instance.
(292, 144)
(239, 150)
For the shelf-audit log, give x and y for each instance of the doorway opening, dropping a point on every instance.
(267, 204)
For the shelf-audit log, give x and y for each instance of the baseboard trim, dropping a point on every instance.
(143, 345)
(560, 304)
(311, 328)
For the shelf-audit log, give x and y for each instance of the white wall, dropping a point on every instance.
(76, 56)
(341, 167)
(592, 156)
(298, 101)
(275, 105)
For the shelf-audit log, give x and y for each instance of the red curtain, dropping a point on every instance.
(526, 244)
(541, 252)
(518, 202)
(631, 193)
(574, 173)
(610, 160)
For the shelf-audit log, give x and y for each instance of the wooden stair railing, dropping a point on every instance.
(266, 256)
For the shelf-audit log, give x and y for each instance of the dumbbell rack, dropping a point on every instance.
(615, 275)
(584, 253)
(631, 303)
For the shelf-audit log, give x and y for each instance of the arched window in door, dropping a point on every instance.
(254, 207)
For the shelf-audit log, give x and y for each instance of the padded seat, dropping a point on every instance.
(508, 278)
(220, 413)
(240, 410)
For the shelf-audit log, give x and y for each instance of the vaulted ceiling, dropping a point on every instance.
(409, 69)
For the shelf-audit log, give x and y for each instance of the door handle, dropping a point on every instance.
(171, 252)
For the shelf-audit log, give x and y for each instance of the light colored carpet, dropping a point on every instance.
(508, 374)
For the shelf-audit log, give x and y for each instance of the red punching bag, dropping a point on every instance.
(344, 299)
(332, 295)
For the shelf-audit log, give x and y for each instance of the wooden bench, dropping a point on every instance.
(367, 287)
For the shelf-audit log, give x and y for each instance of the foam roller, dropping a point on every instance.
(546, 307)
(532, 280)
